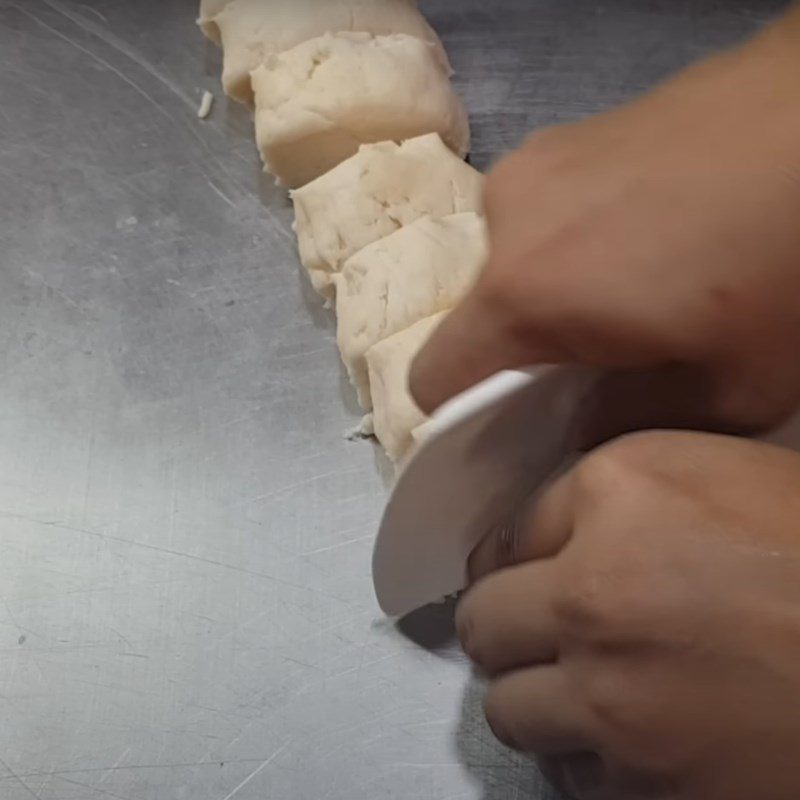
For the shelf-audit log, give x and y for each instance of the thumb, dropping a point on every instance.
(474, 342)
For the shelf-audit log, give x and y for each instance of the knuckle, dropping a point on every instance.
(604, 697)
(465, 626)
(585, 609)
(500, 721)
(613, 467)
(602, 607)
(631, 465)
(621, 716)
(469, 627)
(507, 542)
(478, 624)
(628, 723)
(753, 407)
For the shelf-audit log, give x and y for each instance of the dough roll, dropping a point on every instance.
(395, 282)
(381, 189)
(396, 415)
(317, 103)
(251, 31)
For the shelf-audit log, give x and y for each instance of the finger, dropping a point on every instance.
(535, 711)
(507, 621)
(473, 343)
(540, 529)
(586, 776)
(679, 396)
(577, 776)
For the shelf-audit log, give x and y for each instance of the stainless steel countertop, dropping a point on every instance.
(186, 608)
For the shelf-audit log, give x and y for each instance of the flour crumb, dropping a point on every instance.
(205, 105)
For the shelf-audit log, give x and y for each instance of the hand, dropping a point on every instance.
(661, 240)
(643, 632)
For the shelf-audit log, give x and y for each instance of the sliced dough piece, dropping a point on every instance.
(382, 188)
(209, 10)
(393, 283)
(319, 102)
(253, 30)
(421, 433)
(395, 414)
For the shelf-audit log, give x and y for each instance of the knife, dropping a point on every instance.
(485, 453)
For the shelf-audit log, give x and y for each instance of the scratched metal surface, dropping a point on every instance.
(185, 600)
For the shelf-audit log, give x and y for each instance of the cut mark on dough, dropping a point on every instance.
(386, 206)
(318, 60)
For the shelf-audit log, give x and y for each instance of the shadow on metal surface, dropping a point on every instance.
(503, 774)
(432, 627)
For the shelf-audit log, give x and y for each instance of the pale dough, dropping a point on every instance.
(421, 433)
(382, 188)
(317, 103)
(393, 283)
(395, 413)
(206, 103)
(253, 30)
(209, 9)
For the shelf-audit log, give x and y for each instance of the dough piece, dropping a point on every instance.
(206, 103)
(319, 102)
(364, 430)
(209, 9)
(393, 283)
(382, 188)
(421, 433)
(395, 413)
(253, 30)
